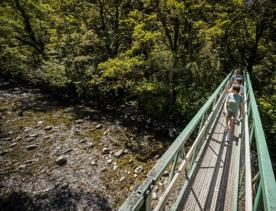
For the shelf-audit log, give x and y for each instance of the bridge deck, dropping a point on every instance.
(212, 183)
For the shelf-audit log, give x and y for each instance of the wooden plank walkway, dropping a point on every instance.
(212, 184)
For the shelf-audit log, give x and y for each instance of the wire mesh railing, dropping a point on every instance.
(161, 188)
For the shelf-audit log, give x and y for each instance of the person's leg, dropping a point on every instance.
(228, 123)
(230, 119)
(228, 127)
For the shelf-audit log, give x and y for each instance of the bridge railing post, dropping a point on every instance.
(267, 184)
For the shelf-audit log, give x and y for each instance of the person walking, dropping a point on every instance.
(232, 107)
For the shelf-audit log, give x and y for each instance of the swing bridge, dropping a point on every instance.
(208, 173)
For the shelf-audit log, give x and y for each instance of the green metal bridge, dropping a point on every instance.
(208, 173)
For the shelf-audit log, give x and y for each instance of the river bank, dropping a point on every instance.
(57, 156)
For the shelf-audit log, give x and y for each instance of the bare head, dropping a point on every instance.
(238, 71)
(239, 81)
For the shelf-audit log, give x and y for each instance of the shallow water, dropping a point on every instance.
(35, 130)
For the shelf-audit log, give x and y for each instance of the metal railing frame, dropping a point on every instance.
(252, 130)
(267, 185)
(141, 198)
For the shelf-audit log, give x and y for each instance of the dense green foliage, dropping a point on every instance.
(167, 55)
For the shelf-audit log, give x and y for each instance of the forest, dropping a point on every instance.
(164, 56)
(161, 59)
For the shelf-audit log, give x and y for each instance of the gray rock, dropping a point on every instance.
(79, 121)
(156, 157)
(154, 195)
(49, 127)
(4, 152)
(130, 161)
(105, 150)
(105, 132)
(104, 169)
(18, 138)
(29, 161)
(109, 161)
(27, 129)
(31, 147)
(98, 126)
(67, 151)
(139, 170)
(22, 166)
(122, 179)
(7, 139)
(90, 145)
(166, 173)
(83, 140)
(30, 139)
(61, 160)
(35, 135)
(119, 153)
(46, 137)
(115, 167)
(13, 144)
(125, 151)
(93, 163)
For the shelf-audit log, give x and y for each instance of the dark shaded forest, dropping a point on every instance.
(163, 56)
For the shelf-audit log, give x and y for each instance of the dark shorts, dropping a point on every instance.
(231, 114)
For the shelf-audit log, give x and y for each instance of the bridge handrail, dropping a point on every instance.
(268, 184)
(139, 197)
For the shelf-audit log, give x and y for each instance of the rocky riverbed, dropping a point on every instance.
(55, 156)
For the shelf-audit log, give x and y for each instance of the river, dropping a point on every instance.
(64, 156)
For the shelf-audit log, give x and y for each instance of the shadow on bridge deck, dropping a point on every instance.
(212, 183)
